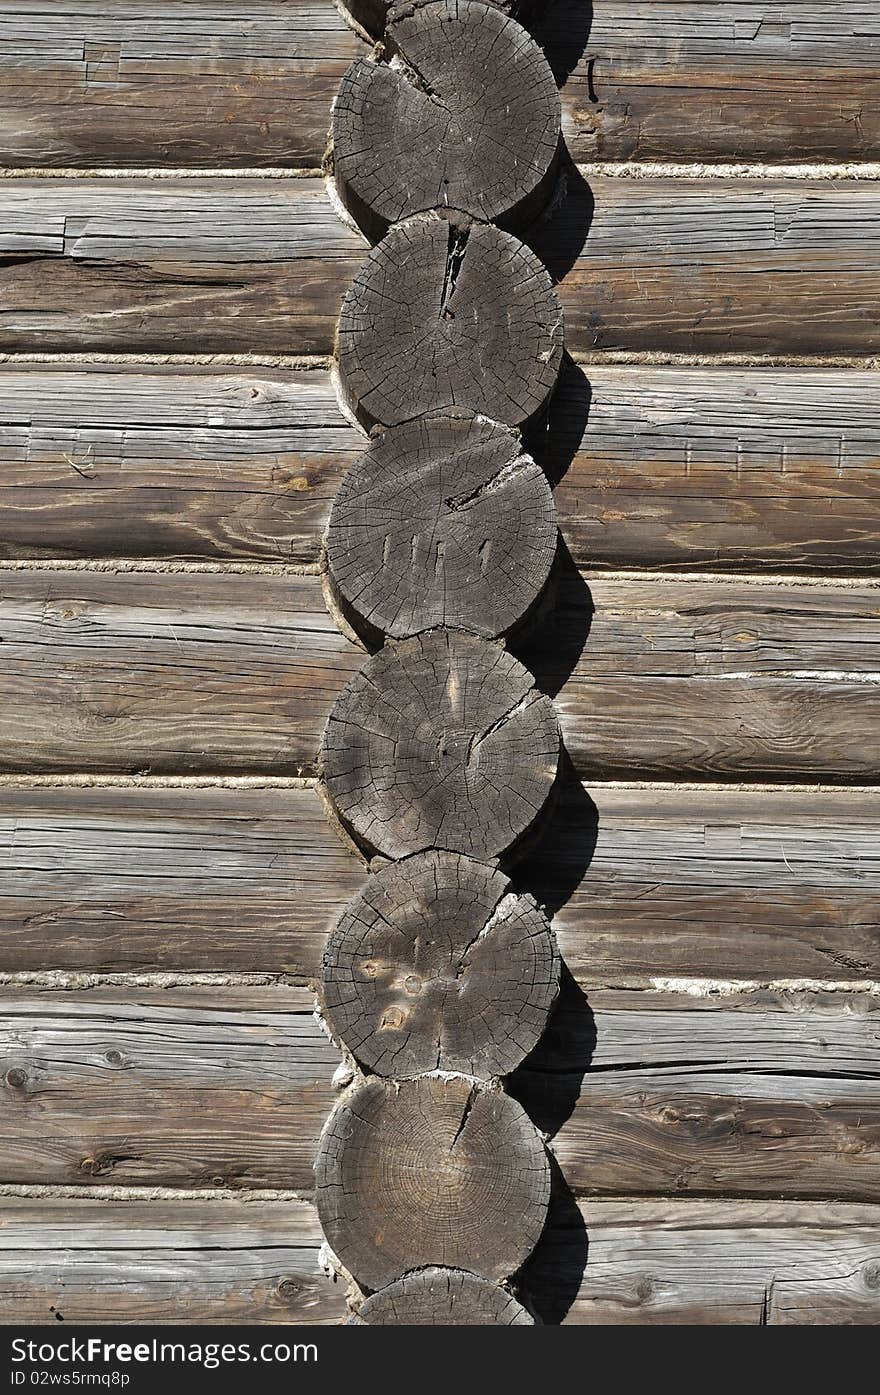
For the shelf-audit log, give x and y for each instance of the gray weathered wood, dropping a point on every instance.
(440, 741)
(721, 469)
(216, 1087)
(203, 1261)
(728, 883)
(772, 1095)
(437, 965)
(180, 264)
(442, 522)
(442, 1298)
(710, 1262)
(756, 1093)
(649, 1261)
(239, 265)
(467, 118)
(444, 316)
(433, 1171)
(190, 671)
(87, 84)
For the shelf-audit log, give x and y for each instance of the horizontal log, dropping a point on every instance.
(722, 469)
(170, 462)
(89, 84)
(143, 1261)
(644, 1093)
(734, 884)
(687, 79)
(648, 1262)
(114, 671)
(182, 1088)
(200, 85)
(710, 1262)
(198, 265)
(773, 1095)
(784, 267)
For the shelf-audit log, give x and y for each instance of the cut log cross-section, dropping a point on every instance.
(465, 115)
(448, 315)
(441, 522)
(441, 741)
(437, 1297)
(433, 1185)
(437, 965)
(430, 1171)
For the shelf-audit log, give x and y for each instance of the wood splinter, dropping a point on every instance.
(448, 315)
(436, 1297)
(440, 741)
(434, 1171)
(437, 965)
(465, 116)
(441, 522)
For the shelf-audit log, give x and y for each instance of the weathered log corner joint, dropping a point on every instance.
(440, 756)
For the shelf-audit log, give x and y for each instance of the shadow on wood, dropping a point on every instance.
(553, 1276)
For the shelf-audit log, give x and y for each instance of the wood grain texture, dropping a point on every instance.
(651, 1092)
(735, 884)
(184, 265)
(195, 83)
(711, 1262)
(223, 1261)
(665, 1094)
(201, 84)
(782, 267)
(723, 469)
(702, 266)
(107, 461)
(785, 80)
(202, 1261)
(180, 1087)
(204, 672)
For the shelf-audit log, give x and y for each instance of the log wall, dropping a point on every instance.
(171, 273)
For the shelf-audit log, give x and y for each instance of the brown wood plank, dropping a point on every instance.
(214, 1087)
(721, 469)
(202, 83)
(711, 1262)
(189, 1261)
(108, 461)
(243, 265)
(647, 1262)
(771, 1095)
(734, 884)
(188, 265)
(785, 80)
(706, 266)
(85, 83)
(175, 672)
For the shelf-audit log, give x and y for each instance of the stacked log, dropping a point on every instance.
(441, 756)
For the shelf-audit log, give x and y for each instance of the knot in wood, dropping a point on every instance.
(466, 116)
(442, 521)
(441, 319)
(436, 1297)
(401, 787)
(433, 1171)
(437, 965)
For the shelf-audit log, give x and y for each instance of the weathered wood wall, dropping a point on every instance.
(170, 277)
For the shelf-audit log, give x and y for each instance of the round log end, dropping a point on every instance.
(432, 1171)
(440, 742)
(437, 1297)
(437, 965)
(371, 15)
(442, 522)
(445, 316)
(467, 117)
